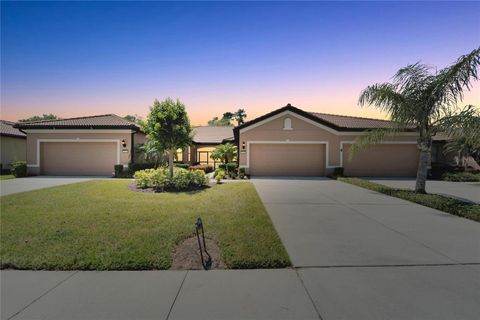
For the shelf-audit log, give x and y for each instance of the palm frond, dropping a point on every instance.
(385, 97)
(412, 76)
(370, 137)
(449, 82)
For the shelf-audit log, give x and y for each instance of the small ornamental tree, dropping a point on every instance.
(169, 127)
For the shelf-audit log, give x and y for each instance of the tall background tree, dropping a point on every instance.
(227, 118)
(240, 116)
(134, 118)
(169, 128)
(44, 116)
(423, 98)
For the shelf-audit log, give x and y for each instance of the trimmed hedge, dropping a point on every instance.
(461, 176)
(118, 169)
(204, 168)
(181, 165)
(19, 169)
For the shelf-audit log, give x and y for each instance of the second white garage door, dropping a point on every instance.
(78, 158)
(287, 159)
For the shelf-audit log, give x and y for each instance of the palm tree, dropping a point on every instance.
(240, 116)
(152, 152)
(426, 100)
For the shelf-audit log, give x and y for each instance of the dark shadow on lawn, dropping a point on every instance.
(133, 187)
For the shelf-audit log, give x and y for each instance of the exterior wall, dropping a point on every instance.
(37, 137)
(12, 149)
(305, 132)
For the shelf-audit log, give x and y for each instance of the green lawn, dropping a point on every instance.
(435, 201)
(101, 225)
(6, 176)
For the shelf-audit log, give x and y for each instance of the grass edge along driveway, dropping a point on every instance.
(450, 205)
(101, 225)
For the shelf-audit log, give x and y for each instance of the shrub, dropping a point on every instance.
(241, 173)
(219, 175)
(338, 171)
(118, 168)
(182, 165)
(228, 167)
(143, 178)
(19, 169)
(181, 179)
(199, 178)
(461, 177)
(159, 179)
(232, 174)
(204, 168)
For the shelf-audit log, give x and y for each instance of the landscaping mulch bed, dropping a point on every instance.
(187, 255)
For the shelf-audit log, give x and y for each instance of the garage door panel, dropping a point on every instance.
(77, 158)
(287, 159)
(382, 160)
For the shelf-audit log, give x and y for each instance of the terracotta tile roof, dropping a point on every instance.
(207, 134)
(349, 122)
(105, 121)
(7, 129)
(336, 122)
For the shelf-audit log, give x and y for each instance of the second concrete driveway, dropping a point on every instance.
(12, 186)
(323, 222)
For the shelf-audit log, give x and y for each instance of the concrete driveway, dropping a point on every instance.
(12, 186)
(468, 191)
(364, 255)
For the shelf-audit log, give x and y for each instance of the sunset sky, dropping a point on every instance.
(86, 58)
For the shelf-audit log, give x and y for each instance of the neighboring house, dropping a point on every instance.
(293, 142)
(13, 144)
(205, 139)
(80, 146)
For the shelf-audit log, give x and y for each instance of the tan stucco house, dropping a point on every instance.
(13, 144)
(79, 146)
(293, 142)
(285, 142)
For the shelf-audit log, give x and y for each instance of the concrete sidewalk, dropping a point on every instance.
(218, 294)
(433, 292)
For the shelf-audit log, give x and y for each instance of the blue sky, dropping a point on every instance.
(86, 58)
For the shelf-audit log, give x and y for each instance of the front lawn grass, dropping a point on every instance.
(7, 176)
(454, 206)
(101, 225)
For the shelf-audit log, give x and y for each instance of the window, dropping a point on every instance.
(287, 124)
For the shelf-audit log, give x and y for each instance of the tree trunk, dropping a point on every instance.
(423, 163)
(170, 161)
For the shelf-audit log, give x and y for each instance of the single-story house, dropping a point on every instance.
(92, 145)
(79, 146)
(13, 144)
(293, 142)
(284, 142)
